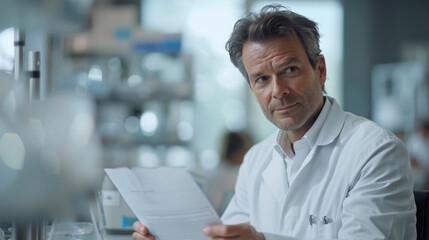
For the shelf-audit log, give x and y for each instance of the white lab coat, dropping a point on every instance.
(357, 174)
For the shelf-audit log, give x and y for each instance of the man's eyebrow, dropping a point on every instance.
(285, 63)
(289, 61)
(255, 75)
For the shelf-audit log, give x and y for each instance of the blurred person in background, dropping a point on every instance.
(222, 179)
(326, 173)
(418, 147)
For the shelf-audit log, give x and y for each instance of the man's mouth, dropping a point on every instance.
(286, 109)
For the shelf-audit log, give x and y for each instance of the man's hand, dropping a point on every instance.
(141, 232)
(236, 232)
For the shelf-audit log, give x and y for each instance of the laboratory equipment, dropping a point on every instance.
(73, 231)
(117, 215)
(43, 145)
(396, 88)
(60, 16)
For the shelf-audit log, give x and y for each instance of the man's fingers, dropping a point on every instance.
(141, 229)
(138, 236)
(137, 226)
(223, 230)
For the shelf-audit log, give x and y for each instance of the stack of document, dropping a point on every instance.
(167, 200)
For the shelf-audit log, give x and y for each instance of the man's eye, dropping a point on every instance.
(261, 79)
(291, 70)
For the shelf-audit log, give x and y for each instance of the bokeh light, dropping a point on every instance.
(12, 150)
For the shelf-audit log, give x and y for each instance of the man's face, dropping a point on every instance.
(286, 86)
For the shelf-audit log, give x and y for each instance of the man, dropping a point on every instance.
(326, 174)
(418, 147)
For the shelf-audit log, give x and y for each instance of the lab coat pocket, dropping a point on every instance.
(328, 230)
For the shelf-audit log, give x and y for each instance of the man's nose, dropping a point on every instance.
(280, 88)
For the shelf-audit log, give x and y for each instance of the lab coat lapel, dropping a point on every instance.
(275, 177)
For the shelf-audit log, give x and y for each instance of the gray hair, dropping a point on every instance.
(273, 21)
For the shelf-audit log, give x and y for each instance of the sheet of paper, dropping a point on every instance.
(167, 200)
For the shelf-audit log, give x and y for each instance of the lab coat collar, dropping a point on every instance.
(312, 134)
(333, 124)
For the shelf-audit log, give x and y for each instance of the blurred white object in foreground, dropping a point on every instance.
(49, 156)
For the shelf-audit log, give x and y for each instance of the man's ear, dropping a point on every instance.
(321, 70)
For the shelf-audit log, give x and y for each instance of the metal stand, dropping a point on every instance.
(38, 230)
(21, 231)
(34, 75)
(19, 43)
(31, 229)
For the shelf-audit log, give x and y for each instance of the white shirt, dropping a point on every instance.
(355, 183)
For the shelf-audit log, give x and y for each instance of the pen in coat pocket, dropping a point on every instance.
(325, 220)
(311, 219)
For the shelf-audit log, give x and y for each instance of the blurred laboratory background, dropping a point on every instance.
(94, 84)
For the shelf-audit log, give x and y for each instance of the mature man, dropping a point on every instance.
(325, 174)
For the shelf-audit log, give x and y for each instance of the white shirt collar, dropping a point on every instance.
(283, 142)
